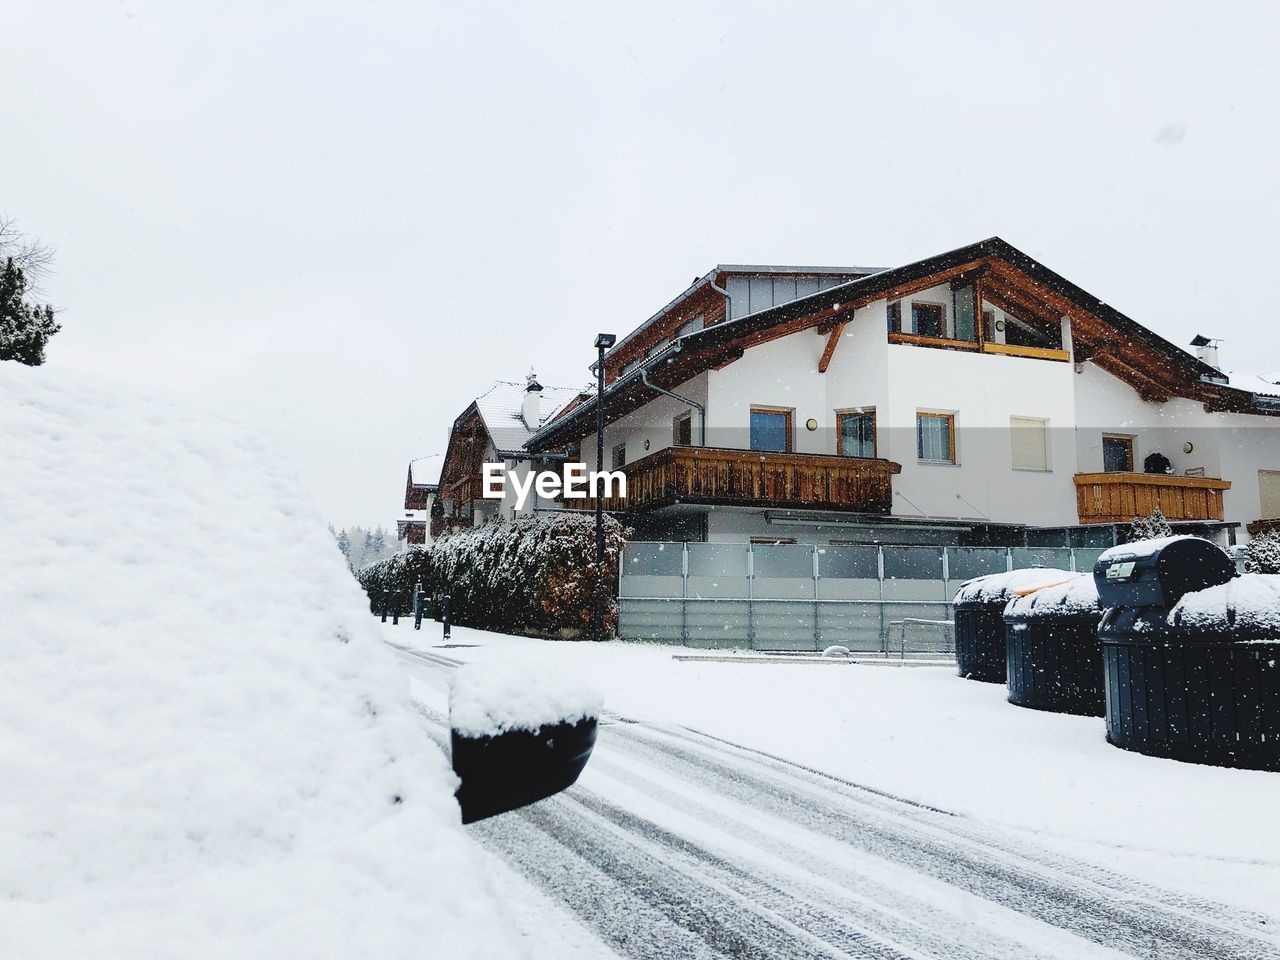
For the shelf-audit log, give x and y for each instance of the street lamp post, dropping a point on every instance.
(603, 342)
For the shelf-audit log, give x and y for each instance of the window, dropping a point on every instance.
(963, 305)
(988, 324)
(856, 436)
(619, 456)
(689, 326)
(656, 349)
(1269, 493)
(1030, 440)
(895, 317)
(628, 367)
(770, 430)
(1117, 454)
(683, 433)
(929, 319)
(936, 437)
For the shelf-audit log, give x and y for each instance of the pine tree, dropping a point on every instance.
(1262, 555)
(25, 328)
(1150, 528)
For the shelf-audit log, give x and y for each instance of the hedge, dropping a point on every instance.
(533, 574)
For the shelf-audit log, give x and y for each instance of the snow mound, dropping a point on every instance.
(1076, 596)
(1249, 603)
(488, 699)
(1003, 587)
(206, 750)
(836, 650)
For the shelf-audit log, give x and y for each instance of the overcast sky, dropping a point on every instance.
(346, 220)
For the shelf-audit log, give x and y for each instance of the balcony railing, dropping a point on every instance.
(721, 476)
(1119, 497)
(1265, 525)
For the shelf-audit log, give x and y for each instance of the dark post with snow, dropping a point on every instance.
(603, 342)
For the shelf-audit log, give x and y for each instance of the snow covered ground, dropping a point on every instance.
(924, 734)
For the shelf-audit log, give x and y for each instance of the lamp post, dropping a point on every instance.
(603, 342)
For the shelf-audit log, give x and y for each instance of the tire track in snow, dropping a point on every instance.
(649, 890)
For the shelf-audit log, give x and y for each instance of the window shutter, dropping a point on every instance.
(1030, 443)
(1269, 488)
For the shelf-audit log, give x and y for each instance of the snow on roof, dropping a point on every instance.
(1249, 603)
(500, 407)
(1002, 587)
(1075, 596)
(207, 749)
(426, 471)
(1264, 383)
(487, 699)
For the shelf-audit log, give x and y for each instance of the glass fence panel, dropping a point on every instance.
(965, 563)
(653, 560)
(912, 563)
(851, 563)
(717, 559)
(782, 560)
(1086, 558)
(1026, 557)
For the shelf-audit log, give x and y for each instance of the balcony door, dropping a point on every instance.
(1117, 454)
(771, 430)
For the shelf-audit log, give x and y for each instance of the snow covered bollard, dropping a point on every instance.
(979, 618)
(520, 733)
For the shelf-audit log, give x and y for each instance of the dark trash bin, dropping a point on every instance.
(1191, 655)
(1052, 655)
(979, 618)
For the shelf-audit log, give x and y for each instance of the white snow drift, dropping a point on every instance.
(1079, 594)
(205, 750)
(1003, 587)
(488, 699)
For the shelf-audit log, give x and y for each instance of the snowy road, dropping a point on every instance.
(676, 844)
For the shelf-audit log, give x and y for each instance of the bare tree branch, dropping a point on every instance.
(34, 257)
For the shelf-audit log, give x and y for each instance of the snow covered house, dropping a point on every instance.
(492, 429)
(974, 397)
(421, 488)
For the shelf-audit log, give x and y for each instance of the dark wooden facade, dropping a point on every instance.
(1119, 497)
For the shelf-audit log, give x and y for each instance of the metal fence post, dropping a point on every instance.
(817, 625)
(884, 636)
(446, 615)
(684, 594)
(417, 605)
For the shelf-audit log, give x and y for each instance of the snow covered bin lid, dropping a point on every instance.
(1158, 572)
(997, 589)
(1074, 598)
(1243, 610)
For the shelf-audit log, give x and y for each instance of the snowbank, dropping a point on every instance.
(1249, 603)
(489, 699)
(205, 749)
(1079, 595)
(1003, 587)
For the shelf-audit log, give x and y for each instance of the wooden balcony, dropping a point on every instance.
(1119, 497)
(751, 478)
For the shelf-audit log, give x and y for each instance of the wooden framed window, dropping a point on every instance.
(1030, 442)
(682, 432)
(1117, 453)
(895, 316)
(1269, 493)
(988, 323)
(936, 437)
(929, 320)
(618, 457)
(856, 432)
(771, 429)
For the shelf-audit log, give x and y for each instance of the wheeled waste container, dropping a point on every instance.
(1191, 654)
(1052, 655)
(979, 618)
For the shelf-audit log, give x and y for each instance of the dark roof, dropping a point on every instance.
(866, 289)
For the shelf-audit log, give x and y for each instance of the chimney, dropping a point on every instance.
(531, 410)
(1207, 350)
